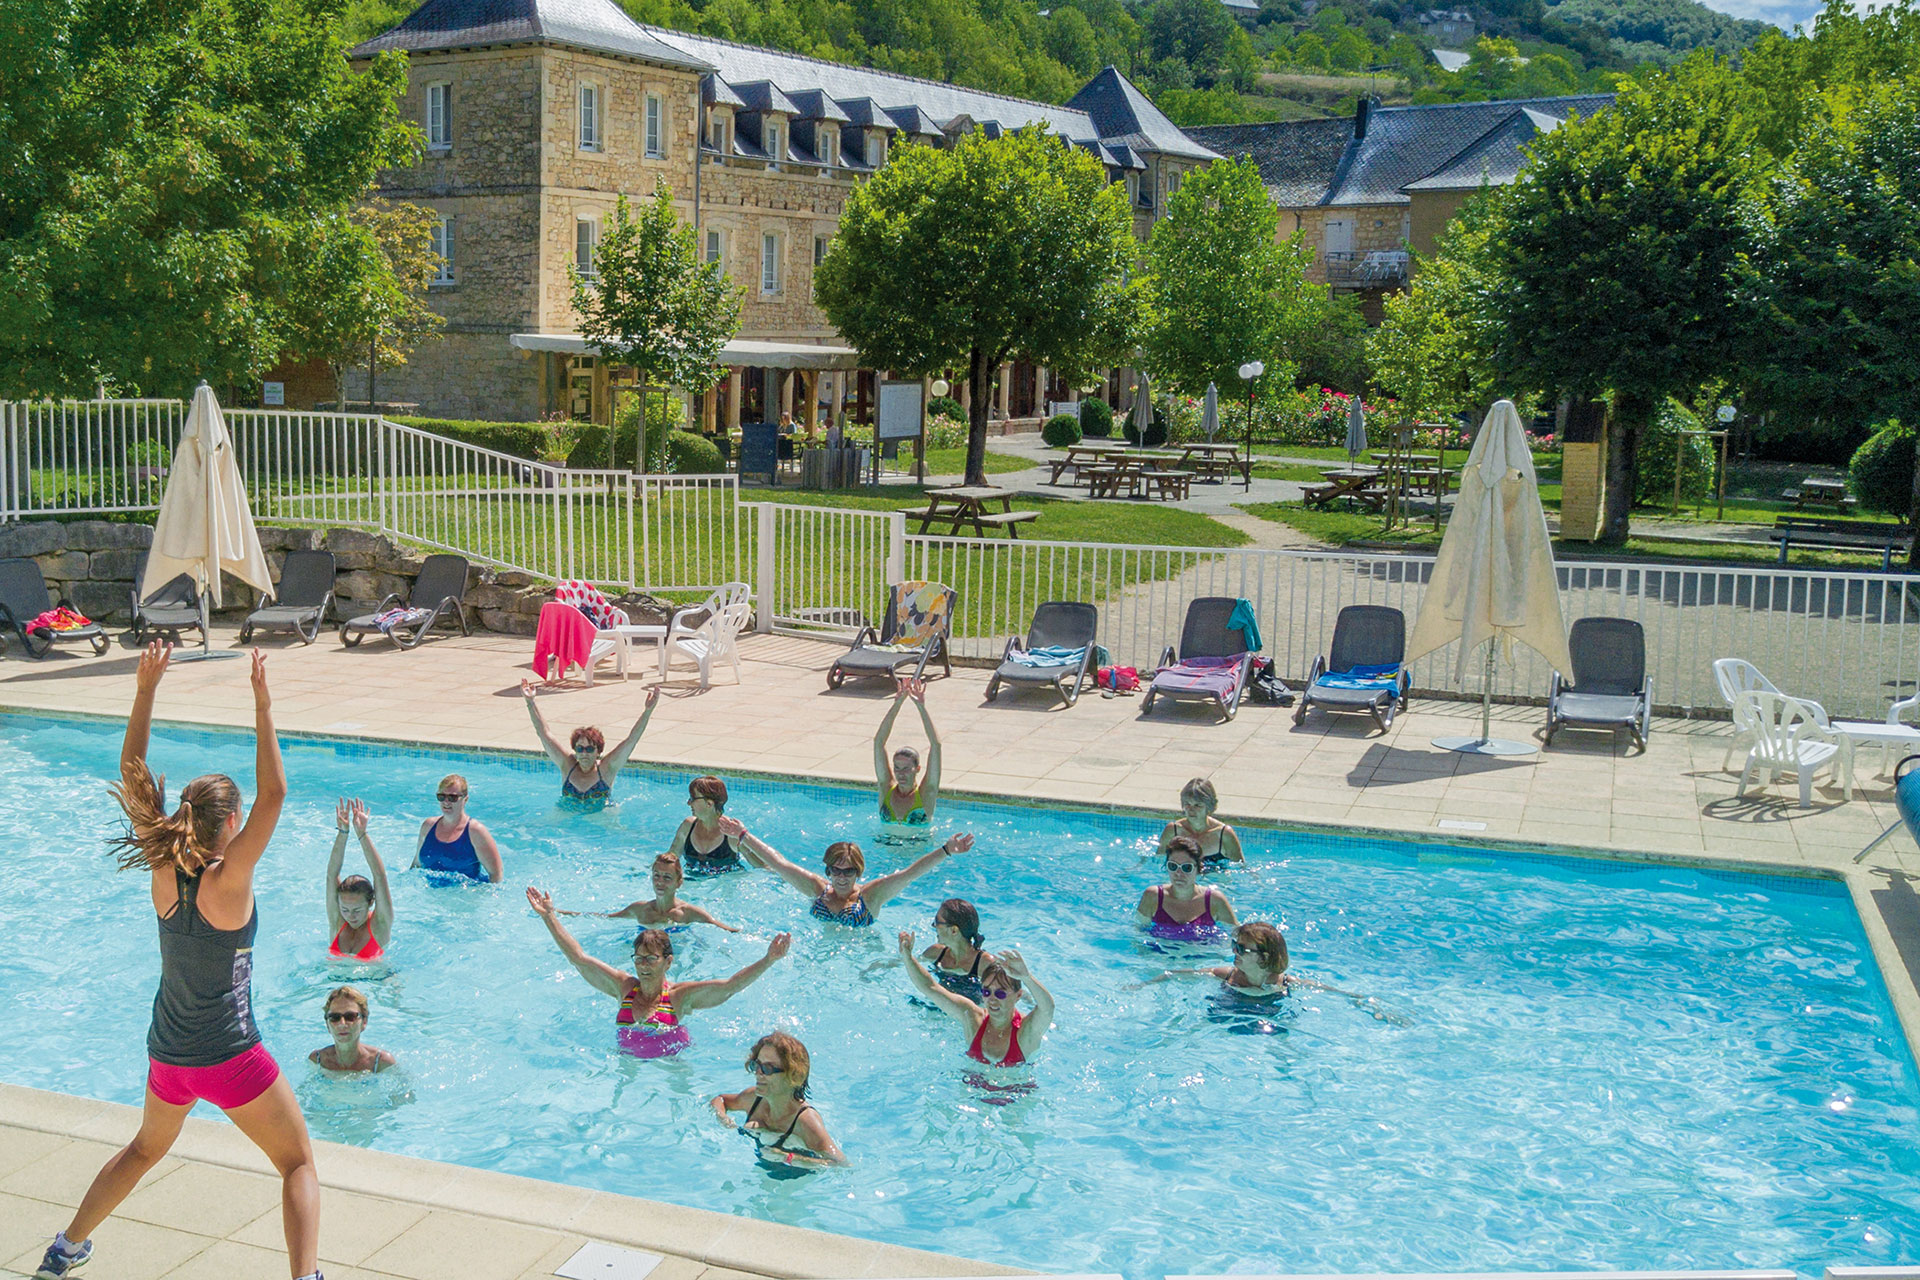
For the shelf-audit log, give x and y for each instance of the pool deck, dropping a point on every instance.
(420, 1220)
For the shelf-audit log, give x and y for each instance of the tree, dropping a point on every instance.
(979, 254)
(1619, 255)
(1791, 81)
(1220, 288)
(162, 165)
(1431, 351)
(652, 304)
(1195, 31)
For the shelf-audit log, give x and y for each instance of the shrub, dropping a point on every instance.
(946, 433)
(689, 454)
(1154, 436)
(590, 451)
(1653, 486)
(1061, 431)
(530, 440)
(946, 407)
(1096, 419)
(1881, 473)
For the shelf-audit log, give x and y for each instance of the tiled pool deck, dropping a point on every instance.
(213, 1210)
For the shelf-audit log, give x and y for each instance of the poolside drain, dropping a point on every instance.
(596, 1261)
(1459, 824)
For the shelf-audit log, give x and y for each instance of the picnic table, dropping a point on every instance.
(967, 504)
(1361, 484)
(1080, 455)
(1817, 491)
(1214, 461)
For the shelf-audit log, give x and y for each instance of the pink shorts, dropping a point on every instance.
(233, 1083)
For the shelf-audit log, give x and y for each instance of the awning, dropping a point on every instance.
(741, 351)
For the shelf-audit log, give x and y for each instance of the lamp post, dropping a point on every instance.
(1250, 371)
(937, 388)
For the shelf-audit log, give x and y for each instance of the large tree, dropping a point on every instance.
(993, 250)
(651, 304)
(1431, 351)
(1619, 254)
(161, 165)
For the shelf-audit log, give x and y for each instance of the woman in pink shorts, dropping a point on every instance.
(203, 1043)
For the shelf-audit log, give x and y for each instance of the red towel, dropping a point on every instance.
(564, 635)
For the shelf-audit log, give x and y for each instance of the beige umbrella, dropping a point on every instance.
(205, 526)
(1493, 582)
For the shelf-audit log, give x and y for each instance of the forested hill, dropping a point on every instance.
(1661, 30)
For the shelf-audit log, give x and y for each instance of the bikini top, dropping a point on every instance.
(855, 913)
(722, 857)
(598, 791)
(916, 813)
(371, 951)
(662, 1015)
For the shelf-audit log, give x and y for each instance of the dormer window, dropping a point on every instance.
(771, 138)
(876, 148)
(720, 132)
(829, 146)
(1133, 187)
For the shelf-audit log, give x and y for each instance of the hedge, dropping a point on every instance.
(693, 455)
(1881, 473)
(1096, 418)
(529, 440)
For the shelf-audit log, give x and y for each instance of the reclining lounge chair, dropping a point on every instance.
(300, 601)
(1362, 669)
(24, 597)
(1214, 660)
(1610, 689)
(438, 595)
(918, 622)
(1056, 653)
(174, 607)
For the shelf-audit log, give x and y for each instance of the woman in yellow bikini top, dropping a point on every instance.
(906, 794)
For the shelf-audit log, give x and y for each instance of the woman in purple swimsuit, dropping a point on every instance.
(1180, 911)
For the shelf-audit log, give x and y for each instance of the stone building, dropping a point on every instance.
(539, 114)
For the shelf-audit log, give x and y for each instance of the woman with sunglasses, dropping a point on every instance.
(359, 910)
(956, 955)
(1181, 911)
(906, 794)
(346, 1011)
(839, 897)
(453, 846)
(702, 847)
(652, 1010)
(1259, 972)
(664, 910)
(786, 1127)
(588, 769)
(999, 1035)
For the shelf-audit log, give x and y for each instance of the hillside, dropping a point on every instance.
(1662, 30)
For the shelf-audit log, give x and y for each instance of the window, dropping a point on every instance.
(719, 130)
(770, 139)
(439, 117)
(443, 245)
(1173, 181)
(829, 147)
(876, 148)
(769, 263)
(1133, 187)
(819, 249)
(589, 117)
(656, 127)
(586, 238)
(716, 245)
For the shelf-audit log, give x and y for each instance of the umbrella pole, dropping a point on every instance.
(1486, 744)
(206, 638)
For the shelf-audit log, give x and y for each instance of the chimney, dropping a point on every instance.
(1361, 114)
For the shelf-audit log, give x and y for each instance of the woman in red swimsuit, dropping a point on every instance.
(359, 910)
(1001, 1036)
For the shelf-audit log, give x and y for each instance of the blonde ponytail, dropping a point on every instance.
(187, 839)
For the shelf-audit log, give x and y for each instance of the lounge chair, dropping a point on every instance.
(174, 607)
(1214, 661)
(438, 594)
(1364, 668)
(1611, 688)
(24, 597)
(1048, 654)
(301, 600)
(915, 631)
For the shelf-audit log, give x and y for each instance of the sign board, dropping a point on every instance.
(760, 450)
(899, 417)
(273, 393)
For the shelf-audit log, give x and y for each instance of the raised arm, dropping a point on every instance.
(555, 752)
(760, 851)
(929, 780)
(146, 684)
(882, 765)
(886, 887)
(615, 759)
(705, 995)
(335, 860)
(959, 1008)
(377, 866)
(603, 976)
(270, 779)
(1034, 1026)
(486, 850)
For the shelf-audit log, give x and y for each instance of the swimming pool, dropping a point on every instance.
(1609, 1066)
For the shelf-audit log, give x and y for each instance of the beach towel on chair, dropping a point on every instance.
(1217, 676)
(400, 616)
(587, 598)
(920, 615)
(61, 619)
(1052, 655)
(1382, 679)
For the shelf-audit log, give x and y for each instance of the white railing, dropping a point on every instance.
(73, 457)
(825, 570)
(694, 534)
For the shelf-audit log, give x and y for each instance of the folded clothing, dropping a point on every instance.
(400, 616)
(1053, 655)
(61, 619)
(1367, 679)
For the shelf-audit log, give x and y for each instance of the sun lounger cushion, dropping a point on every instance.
(921, 614)
(1370, 679)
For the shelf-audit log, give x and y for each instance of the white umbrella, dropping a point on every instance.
(1210, 413)
(1356, 430)
(1493, 581)
(1143, 408)
(205, 526)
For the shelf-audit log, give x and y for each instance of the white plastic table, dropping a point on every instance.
(624, 638)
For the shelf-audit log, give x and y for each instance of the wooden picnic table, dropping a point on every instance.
(1214, 461)
(1363, 484)
(1080, 455)
(967, 504)
(1819, 491)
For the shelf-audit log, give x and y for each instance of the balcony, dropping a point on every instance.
(1379, 269)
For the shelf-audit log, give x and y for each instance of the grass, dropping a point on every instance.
(1153, 524)
(952, 462)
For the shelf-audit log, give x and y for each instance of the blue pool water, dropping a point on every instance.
(1608, 1066)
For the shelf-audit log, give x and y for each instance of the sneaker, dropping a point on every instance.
(58, 1264)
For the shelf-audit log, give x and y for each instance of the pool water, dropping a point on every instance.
(1607, 1066)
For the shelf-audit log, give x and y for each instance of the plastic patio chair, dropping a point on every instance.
(438, 593)
(1364, 667)
(24, 597)
(1788, 738)
(1611, 688)
(713, 641)
(1736, 676)
(915, 630)
(173, 607)
(301, 600)
(1057, 624)
(1213, 662)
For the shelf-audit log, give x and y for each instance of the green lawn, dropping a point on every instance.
(951, 462)
(1154, 524)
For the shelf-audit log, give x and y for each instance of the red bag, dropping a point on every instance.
(1118, 679)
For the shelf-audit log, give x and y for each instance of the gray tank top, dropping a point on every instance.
(203, 1012)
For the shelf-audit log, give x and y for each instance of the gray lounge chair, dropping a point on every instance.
(173, 607)
(440, 589)
(919, 619)
(1213, 663)
(1363, 668)
(1057, 624)
(24, 597)
(301, 600)
(1611, 688)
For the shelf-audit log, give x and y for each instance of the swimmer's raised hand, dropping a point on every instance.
(732, 828)
(906, 942)
(526, 688)
(1016, 967)
(653, 696)
(153, 665)
(259, 677)
(358, 811)
(542, 903)
(777, 949)
(958, 842)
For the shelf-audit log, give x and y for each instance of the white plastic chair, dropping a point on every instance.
(686, 623)
(1736, 676)
(1789, 738)
(715, 640)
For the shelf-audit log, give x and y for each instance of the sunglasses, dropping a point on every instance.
(766, 1068)
(352, 1015)
(1182, 866)
(996, 993)
(838, 872)
(448, 797)
(1242, 949)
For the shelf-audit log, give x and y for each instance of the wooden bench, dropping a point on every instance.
(980, 520)
(1171, 485)
(1857, 535)
(1008, 520)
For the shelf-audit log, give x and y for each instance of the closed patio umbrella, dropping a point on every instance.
(1143, 408)
(1493, 581)
(205, 526)
(1210, 413)
(1356, 430)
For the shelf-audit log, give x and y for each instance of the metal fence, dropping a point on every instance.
(74, 457)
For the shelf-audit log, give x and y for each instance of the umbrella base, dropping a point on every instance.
(1486, 746)
(203, 655)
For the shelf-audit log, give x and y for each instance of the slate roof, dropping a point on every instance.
(1121, 113)
(867, 114)
(1494, 158)
(763, 95)
(599, 26)
(815, 105)
(1297, 158)
(912, 119)
(1405, 144)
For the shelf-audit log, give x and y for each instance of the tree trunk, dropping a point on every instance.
(1630, 416)
(978, 377)
(1913, 511)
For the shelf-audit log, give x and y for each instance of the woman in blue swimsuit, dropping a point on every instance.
(906, 794)
(588, 769)
(454, 845)
(839, 897)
